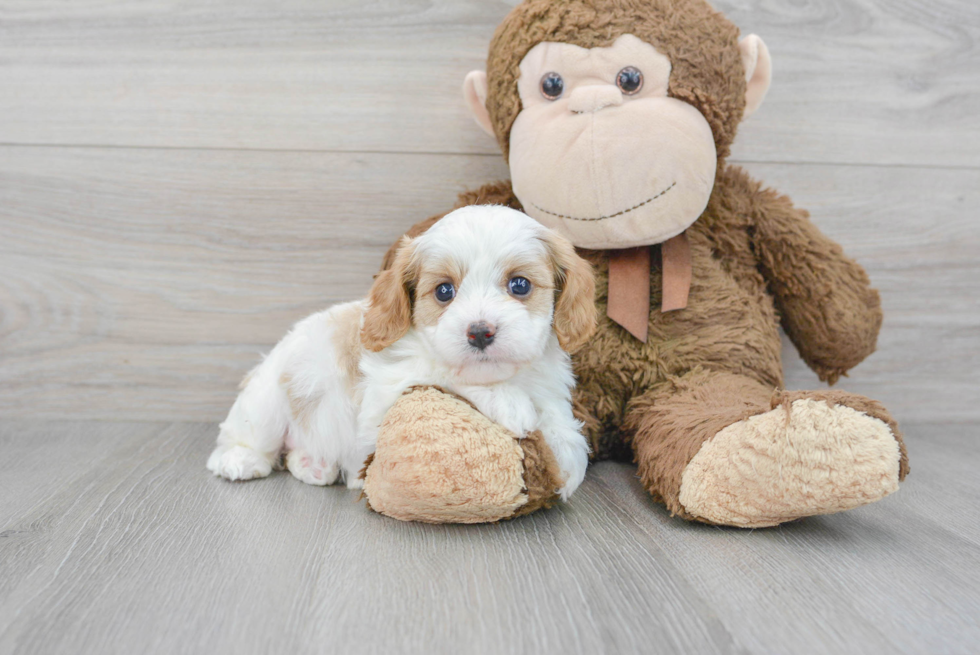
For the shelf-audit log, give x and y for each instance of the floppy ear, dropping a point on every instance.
(575, 312)
(389, 313)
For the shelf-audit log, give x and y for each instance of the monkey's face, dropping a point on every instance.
(600, 153)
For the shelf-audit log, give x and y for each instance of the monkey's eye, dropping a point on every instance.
(519, 286)
(552, 86)
(445, 292)
(629, 80)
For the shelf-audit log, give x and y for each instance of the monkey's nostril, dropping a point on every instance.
(480, 334)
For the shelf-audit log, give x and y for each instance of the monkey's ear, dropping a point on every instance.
(475, 94)
(758, 71)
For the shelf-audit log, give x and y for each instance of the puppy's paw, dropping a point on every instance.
(238, 463)
(572, 454)
(574, 472)
(521, 419)
(304, 468)
(507, 406)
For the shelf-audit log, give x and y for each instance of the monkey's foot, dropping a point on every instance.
(811, 454)
(439, 460)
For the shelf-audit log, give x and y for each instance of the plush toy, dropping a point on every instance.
(616, 118)
(438, 460)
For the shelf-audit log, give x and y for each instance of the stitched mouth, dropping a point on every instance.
(602, 218)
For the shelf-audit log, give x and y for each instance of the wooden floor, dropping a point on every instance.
(115, 540)
(181, 181)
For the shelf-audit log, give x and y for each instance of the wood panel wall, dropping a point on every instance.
(179, 182)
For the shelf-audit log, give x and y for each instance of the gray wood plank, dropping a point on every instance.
(907, 568)
(136, 548)
(147, 552)
(861, 81)
(143, 284)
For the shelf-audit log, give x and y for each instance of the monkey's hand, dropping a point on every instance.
(828, 308)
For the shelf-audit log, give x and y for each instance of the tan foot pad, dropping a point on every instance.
(438, 460)
(789, 463)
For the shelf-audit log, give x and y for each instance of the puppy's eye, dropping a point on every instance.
(629, 80)
(519, 286)
(552, 86)
(445, 292)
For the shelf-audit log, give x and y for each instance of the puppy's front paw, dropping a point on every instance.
(572, 454)
(507, 406)
(521, 420)
(238, 463)
(309, 470)
(573, 469)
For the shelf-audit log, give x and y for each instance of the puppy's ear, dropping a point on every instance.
(575, 312)
(389, 313)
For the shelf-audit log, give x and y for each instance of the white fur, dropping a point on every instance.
(522, 381)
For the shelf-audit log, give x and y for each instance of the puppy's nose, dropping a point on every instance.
(480, 335)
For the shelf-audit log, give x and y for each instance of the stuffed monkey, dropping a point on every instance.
(616, 118)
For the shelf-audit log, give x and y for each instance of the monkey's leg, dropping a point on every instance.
(725, 449)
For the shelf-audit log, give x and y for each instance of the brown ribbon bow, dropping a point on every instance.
(629, 283)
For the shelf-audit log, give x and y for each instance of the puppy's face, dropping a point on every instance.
(485, 287)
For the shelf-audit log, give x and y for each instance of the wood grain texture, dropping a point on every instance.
(119, 541)
(143, 284)
(857, 81)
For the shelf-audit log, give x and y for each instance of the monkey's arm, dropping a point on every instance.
(828, 307)
(497, 193)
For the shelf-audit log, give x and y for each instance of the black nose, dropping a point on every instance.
(480, 335)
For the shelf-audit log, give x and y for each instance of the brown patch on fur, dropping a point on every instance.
(389, 313)
(702, 45)
(542, 475)
(302, 406)
(575, 310)
(539, 271)
(347, 342)
(541, 276)
(428, 310)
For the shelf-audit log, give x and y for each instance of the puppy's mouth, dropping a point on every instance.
(485, 356)
(603, 218)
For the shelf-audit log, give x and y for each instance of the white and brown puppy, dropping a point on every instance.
(487, 304)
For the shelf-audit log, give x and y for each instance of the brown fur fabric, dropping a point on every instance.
(700, 42)
(669, 424)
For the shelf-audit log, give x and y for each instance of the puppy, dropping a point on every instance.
(487, 304)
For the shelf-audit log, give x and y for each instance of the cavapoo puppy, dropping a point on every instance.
(487, 304)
